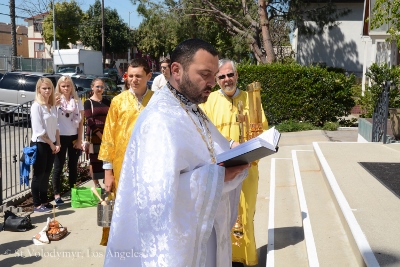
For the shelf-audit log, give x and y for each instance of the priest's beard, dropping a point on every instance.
(193, 92)
(229, 90)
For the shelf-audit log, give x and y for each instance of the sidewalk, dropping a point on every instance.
(81, 247)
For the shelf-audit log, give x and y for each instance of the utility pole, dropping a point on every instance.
(13, 36)
(102, 34)
(54, 28)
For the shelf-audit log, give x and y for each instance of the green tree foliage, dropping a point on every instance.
(378, 76)
(117, 35)
(68, 17)
(164, 26)
(250, 22)
(386, 12)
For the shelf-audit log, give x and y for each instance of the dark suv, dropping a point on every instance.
(17, 88)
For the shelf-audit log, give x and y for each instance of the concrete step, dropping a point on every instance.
(370, 210)
(328, 242)
(304, 226)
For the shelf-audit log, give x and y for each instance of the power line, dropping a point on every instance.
(19, 17)
(16, 7)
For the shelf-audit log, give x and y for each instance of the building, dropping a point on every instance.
(341, 47)
(37, 46)
(375, 47)
(5, 40)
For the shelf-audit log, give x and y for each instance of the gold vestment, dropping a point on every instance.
(121, 118)
(222, 111)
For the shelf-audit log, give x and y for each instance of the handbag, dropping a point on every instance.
(82, 197)
(15, 223)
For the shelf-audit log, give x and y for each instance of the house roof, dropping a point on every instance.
(42, 16)
(6, 28)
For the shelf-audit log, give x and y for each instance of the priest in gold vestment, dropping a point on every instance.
(121, 118)
(222, 109)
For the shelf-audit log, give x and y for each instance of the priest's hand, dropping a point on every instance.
(109, 180)
(235, 144)
(232, 172)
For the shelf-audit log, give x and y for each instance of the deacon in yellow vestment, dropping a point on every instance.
(121, 118)
(222, 108)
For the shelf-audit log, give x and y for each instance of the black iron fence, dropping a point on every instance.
(380, 115)
(15, 133)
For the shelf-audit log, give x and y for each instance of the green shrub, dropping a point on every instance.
(298, 93)
(294, 126)
(378, 75)
(330, 126)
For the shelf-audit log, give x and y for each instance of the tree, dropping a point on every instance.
(387, 12)
(252, 19)
(117, 34)
(68, 16)
(164, 26)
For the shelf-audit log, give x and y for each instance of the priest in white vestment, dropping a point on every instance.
(175, 206)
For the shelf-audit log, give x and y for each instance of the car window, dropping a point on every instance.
(28, 83)
(10, 82)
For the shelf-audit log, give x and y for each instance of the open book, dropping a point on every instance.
(261, 146)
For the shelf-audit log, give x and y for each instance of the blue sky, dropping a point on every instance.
(123, 8)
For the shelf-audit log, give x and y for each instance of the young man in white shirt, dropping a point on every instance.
(163, 78)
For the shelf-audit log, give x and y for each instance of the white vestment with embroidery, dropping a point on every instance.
(170, 194)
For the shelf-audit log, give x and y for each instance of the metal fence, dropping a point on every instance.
(26, 64)
(15, 133)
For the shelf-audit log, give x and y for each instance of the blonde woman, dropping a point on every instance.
(70, 123)
(47, 137)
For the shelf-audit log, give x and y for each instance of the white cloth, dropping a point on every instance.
(67, 125)
(170, 195)
(158, 82)
(43, 121)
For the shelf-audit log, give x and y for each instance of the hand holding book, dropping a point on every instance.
(256, 148)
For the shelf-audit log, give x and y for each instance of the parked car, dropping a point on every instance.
(83, 82)
(113, 74)
(17, 88)
(150, 82)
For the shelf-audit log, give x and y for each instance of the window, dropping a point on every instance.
(39, 47)
(37, 26)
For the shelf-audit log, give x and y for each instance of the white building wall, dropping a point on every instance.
(340, 47)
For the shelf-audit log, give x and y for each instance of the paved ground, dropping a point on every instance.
(81, 247)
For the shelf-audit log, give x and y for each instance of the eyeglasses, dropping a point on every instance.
(230, 75)
(99, 86)
(163, 67)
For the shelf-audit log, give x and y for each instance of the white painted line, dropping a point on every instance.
(308, 234)
(359, 237)
(271, 218)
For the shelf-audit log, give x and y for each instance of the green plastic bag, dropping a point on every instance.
(83, 197)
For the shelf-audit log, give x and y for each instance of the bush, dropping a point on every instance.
(330, 126)
(378, 75)
(298, 93)
(294, 126)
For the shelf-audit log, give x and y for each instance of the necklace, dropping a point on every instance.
(202, 117)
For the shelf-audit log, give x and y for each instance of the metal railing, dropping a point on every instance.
(380, 115)
(15, 128)
(26, 64)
